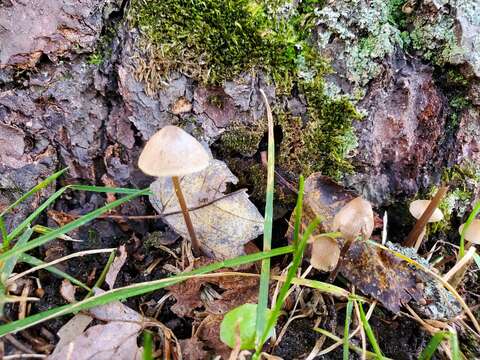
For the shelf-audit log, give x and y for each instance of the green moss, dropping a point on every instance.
(324, 141)
(215, 40)
(242, 139)
(321, 142)
(396, 16)
(103, 50)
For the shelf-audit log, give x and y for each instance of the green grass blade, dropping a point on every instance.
(471, 217)
(298, 211)
(134, 290)
(18, 230)
(297, 258)
(267, 229)
(325, 287)
(358, 350)
(103, 275)
(369, 332)
(104, 189)
(454, 346)
(433, 344)
(70, 226)
(147, 346)
(9, 265)
(3, 232)
(346, 330)
(31, 260)
(41, 185)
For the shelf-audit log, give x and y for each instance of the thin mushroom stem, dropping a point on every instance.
(186, 216)
(422, 222)
(343, 252)
(420, 239)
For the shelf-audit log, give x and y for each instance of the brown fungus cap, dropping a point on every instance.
(418, 207)
(355, 219)
(473, 232)
(172, 152)
(325, 253)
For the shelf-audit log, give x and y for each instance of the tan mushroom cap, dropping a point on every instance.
(418, 207)
(473, 232)
(172, 152)
(325, 253)
(354, 219)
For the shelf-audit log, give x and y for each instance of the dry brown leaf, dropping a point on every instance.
(373, 271)
(209, 333)
(380, 274)
(223, 223)
(72, 329)
(67, 290)
(234, 291)
(117, 264)
(192, 349)
(117, 339)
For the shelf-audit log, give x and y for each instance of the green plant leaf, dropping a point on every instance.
(346, 330)
(70, 226)
(41, 185)
(241, 321)
(432, 345)
(267, 228)
(369, 332)
(134, 290)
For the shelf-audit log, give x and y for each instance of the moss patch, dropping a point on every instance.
(215, 40)
(463, 180)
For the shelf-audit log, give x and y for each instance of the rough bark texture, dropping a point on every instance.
(73, 92)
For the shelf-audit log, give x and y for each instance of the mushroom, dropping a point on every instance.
(325, 253)
(172, 152)
(473, 232)
(417, 208)
(353, 220)
(472, 235)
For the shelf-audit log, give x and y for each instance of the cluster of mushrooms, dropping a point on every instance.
(172, 152)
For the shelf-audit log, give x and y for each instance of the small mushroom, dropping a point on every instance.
(325, 253)
(172, 152)
(472, 235)
(353, 220)
(417, 208)
(473, 232)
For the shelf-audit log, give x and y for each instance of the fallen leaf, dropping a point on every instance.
(67, 290)
(234, 291)
(380, 274)
(72, 329)
(117, 264)
(223, 223)
(209, 333)
(115, 339)
(193, 349)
